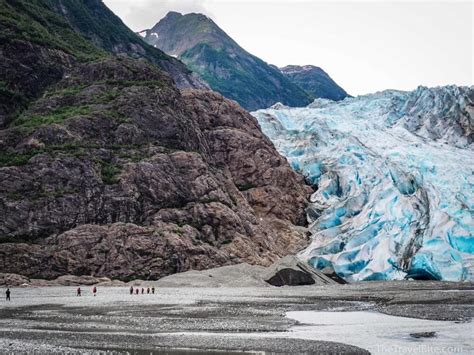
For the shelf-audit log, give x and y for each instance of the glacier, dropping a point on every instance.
(393, 177)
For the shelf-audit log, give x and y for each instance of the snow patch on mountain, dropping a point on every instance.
(394, 177)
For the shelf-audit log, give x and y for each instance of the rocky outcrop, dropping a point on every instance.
(315, 81)
(117, 173)
(12, 280)
(290, 271)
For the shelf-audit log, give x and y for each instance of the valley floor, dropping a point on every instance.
(309, 319)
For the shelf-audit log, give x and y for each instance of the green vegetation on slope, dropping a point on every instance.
(223, 64)
(33, 21)
(98, 24)
(57, 116)
(243, 78)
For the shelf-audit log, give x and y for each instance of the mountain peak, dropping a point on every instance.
(176, 32)
(176, 16)
(201, 44)
(173, 14)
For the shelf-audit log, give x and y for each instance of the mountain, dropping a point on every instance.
(222, 63)
(394, 178)
(94, 21)
(41, 39)
(314, 81)
(108, 169)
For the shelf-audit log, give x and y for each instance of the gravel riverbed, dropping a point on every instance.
(203, 320)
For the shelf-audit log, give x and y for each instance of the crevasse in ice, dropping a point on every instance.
(394, 178)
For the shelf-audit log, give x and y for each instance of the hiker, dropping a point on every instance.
(7, 293)
(94, 291)
(153, 289)
(78, 291)
(148, 290)
(136, 291)
(131, 290)
(143, 290)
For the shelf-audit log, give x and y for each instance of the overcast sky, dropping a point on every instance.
(365, 46)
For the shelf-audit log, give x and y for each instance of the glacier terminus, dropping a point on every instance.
(394, 181)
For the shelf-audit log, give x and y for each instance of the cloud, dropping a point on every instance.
(142, 14)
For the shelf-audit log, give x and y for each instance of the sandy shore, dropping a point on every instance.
(255, 319)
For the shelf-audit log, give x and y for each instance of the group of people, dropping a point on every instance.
(133, 290)
(79, 292)
(137, 290)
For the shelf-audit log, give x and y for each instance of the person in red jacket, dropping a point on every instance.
(94, 290)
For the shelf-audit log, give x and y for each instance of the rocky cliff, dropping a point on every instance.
(114, 172)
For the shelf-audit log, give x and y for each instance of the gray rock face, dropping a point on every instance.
(117, 173)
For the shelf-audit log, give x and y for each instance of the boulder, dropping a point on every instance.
(290, 271)
(13, 280)
(71, 280)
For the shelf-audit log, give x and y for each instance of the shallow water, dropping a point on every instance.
(383, 334)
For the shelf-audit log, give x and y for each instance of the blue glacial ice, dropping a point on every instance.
(394, 180)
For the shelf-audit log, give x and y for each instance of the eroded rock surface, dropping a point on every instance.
(116, 173)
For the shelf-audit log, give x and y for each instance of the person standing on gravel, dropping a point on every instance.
(131, 290)
(94, 290)
(78, 291)
(153, 289)
(7, 293)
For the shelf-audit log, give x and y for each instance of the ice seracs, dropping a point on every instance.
(394, 177)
